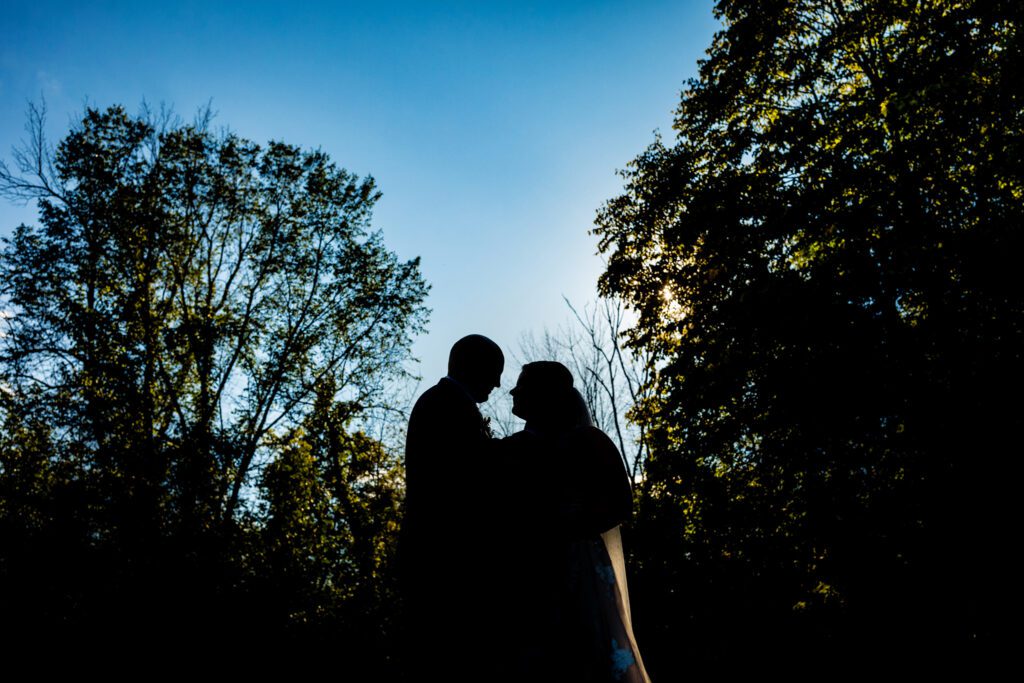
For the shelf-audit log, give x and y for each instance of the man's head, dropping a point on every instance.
(476, 362)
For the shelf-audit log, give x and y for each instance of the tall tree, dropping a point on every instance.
(824, 262)
(175, 311)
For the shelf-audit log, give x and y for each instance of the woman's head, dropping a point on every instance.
(543, 396)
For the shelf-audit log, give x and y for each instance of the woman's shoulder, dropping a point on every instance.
(592, 447)
(592, 437)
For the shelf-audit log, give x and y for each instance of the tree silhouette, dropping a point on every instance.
(169, 325)
(823, 262)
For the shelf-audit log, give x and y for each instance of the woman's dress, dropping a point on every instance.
(565, 602)
(600, 645)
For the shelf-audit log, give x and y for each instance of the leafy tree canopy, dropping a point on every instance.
(170, 326)
(825, 263)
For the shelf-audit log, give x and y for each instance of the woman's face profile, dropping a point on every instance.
(519, 398)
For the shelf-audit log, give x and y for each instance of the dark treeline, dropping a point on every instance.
(192, 335)
(824, 262)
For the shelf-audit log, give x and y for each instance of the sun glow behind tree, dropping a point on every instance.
(822, 263)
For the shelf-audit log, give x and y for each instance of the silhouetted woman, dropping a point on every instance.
(569, 610)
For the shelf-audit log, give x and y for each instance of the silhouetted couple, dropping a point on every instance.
(511, 558)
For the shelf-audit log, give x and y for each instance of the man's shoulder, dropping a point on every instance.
(443, 392)
(444, 402)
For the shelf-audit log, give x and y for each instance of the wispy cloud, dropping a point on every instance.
(48, 83)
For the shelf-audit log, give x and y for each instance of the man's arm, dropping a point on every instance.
(443, 451)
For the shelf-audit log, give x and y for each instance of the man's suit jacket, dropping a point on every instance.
(445, 453)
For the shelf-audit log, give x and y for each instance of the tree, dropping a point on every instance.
(823, 263)
(332, 517)
(183, 300)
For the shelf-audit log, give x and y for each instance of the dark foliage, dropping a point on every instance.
(190, 336)
(825, 262)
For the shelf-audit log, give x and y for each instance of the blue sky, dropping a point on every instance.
(493, 129)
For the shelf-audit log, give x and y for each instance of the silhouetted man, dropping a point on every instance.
(446, 452)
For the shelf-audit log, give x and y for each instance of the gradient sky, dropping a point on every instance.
(493, 129)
